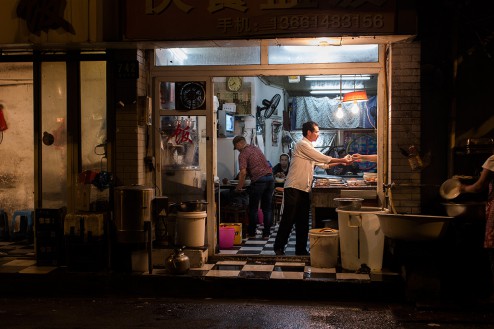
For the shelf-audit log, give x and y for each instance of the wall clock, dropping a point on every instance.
(234, 83)
(191, 96)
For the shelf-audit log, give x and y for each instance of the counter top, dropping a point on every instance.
(340, 183)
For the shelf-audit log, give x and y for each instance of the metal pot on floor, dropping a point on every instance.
(132, 210)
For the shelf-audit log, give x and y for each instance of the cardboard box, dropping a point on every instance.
(238, 231)
(88, 195)
(79, 225)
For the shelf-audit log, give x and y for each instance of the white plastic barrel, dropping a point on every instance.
(190, 228)
(361, 238)
(323, 247)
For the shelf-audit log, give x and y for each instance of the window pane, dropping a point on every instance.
(183, 95)
(93, 115)
(208, 56)
(318, 54)
(16, 142)
(54, 134)
(183, 157)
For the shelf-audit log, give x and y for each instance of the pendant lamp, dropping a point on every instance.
(357, 96)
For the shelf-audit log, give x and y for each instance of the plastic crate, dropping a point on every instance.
(49, 251)
(48, 227)
(49, 219)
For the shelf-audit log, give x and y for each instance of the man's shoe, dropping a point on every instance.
(302, 253)
(279, 252)
(265, 237)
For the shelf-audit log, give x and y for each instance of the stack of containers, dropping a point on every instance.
(85, 241)
(48, 228)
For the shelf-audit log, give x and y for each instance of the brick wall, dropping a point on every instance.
(131, 133)
(404, 124)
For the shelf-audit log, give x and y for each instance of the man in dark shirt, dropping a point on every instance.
(253, 163)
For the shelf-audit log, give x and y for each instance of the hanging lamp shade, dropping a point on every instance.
(358, 96)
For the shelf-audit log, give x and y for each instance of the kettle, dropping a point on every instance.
(178, 262)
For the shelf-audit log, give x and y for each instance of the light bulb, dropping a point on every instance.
(354, 108)
(339, 112)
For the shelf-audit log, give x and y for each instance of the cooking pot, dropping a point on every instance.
(349, 203)
(132, 209)
(198, 205)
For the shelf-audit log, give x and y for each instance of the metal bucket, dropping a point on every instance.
(132, 209)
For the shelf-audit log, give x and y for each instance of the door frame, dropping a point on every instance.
(207, 73)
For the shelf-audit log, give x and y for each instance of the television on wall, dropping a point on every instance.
(229, 124)
(226, 124)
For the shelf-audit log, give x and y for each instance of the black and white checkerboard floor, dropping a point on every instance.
(18, 257)
(259, 246)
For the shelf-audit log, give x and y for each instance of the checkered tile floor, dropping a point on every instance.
(259, 246)
(19, 257)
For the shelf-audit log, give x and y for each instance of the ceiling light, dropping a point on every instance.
(325, 91)
(336, 77)
(357, 96)
(354, 108)
(339, 112)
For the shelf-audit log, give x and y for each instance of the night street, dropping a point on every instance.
(122, 312)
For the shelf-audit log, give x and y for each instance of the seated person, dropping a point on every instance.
(341, 169)
(281, 169)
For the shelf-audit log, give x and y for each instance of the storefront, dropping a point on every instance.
(166, 127)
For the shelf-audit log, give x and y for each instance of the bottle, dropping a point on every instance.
(414, 158)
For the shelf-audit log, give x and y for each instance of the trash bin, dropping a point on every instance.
(323, 247)
(361, 238)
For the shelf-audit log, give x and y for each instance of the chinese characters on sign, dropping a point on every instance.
(182, 135)
(210, 19)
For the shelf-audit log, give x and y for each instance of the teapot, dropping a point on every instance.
(178, 262)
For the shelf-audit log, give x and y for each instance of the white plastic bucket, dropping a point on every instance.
(361, 238)
(323, 247)
(190, 228)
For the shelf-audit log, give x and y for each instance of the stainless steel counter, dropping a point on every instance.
(322, 195)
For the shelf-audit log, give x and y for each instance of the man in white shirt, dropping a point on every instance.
(297, 189)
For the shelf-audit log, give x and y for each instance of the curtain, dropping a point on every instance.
(322, 110)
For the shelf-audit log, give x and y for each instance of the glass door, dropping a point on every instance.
(184, 143)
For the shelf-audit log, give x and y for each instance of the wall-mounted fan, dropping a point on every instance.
(269, 106)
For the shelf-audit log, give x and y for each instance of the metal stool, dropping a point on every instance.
(277, 205)
(29, 214)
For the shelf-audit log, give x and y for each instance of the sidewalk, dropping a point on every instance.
(223, 276)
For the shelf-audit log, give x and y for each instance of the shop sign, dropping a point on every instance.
(243, 19)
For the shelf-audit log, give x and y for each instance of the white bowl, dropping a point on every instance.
(450, 189)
